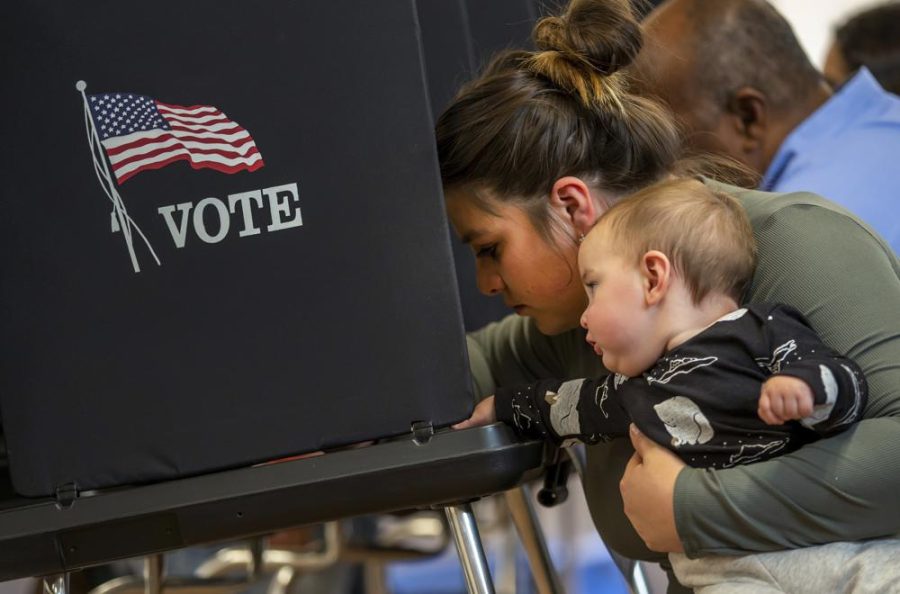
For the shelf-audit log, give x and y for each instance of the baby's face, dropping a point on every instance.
(621, 326)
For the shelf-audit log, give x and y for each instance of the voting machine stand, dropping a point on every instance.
(448, 469)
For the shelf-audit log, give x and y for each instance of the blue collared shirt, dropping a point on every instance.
(848, 150)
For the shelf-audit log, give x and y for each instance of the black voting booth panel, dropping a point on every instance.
(39, 537)
(305, 295)
(458, 39)
(450, 61)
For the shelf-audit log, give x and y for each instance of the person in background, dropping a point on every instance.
(532, 152)
(870, 39)
(718, 384)
(740, 85)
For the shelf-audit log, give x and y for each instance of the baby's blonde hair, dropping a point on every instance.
(705, 234)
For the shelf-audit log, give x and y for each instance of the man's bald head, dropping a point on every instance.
(711, 59)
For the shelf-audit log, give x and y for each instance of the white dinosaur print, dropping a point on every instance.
(684, 421)
(752, 452)
(774, 364)
(521, 418)
(564, 416)
(823, 411)
(600, 396)
(679, 366)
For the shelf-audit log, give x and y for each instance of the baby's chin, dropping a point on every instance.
(613, 368)
(624, 368)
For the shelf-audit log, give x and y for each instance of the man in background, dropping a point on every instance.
(869, 38)
(740, 84)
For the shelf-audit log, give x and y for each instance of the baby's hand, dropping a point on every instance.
(784, 398)
(482, 415)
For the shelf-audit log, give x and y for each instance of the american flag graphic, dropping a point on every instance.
(141, 133)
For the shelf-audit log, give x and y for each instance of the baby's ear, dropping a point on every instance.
(657, 272)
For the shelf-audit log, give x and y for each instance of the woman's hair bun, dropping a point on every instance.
(601, 33)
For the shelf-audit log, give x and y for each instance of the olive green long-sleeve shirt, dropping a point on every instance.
(817, 257)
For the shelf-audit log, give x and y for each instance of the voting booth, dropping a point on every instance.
(223, 245)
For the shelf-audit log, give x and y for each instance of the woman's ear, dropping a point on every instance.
(656, 270)
(577, 203)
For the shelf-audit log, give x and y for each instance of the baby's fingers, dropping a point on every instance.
(765, 410)
(790, 409)
(776, 405)
(805, 407)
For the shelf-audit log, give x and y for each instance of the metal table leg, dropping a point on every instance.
(468, 545)
(56, 584)
(520, 508)
(257, 564)
(153, 574)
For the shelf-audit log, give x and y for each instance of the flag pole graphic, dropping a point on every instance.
(121, 221)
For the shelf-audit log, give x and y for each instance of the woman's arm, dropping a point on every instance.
(845, 280)
(840, 488)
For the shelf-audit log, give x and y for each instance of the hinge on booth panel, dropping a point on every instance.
(66, 495)
(422, 432)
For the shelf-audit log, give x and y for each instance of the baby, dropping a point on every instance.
(718, 384)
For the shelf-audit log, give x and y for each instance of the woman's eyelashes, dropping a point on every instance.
(486, 251)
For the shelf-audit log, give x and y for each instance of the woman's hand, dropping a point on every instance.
(648, 492)
(482, 415)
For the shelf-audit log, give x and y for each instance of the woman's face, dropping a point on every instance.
(536, 277)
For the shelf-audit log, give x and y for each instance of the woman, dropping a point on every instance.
(531, 153)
